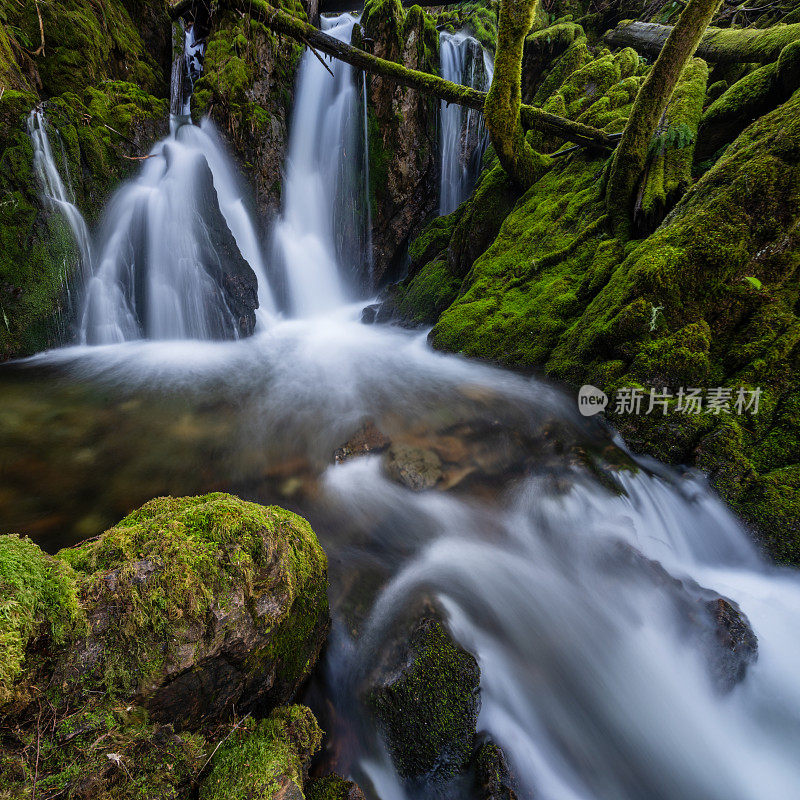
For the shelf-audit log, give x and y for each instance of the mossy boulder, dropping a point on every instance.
(265, 760)
(187, 613)
(427, 703)
(191, 606)
(332, 787)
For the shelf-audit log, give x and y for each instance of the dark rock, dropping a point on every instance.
(427, 702)
(367, 439)
(220, 257)
(738, 643)
(493, 779)
(368, 313)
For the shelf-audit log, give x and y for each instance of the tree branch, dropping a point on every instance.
(532, 118)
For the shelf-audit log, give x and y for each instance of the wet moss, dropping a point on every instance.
(264, 760)
(38, 594)
(430, 710)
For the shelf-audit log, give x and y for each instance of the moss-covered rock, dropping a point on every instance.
(247, 88)
(187, 611)
(428, 705)
(265, 760)
(198, 604)
(332, 787)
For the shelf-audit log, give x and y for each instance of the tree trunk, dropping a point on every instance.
(718, 45)
(531, 118)
(651, 101)
(504, 101)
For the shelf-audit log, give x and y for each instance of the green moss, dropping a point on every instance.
(199, 548)
(36, 591)
(429, 711)
(266, 759)
(331, 787)
(428, 293)
(478, 17)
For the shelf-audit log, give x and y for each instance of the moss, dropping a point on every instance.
(576, 56)
(430, 710)
(428, 293)
(36, 592)
(433, 240)
(669, 168)
(199, 548)
(331, 787)
(478, 17)
(266, 759)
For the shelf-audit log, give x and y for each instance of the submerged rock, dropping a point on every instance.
(427, 703)
(416, 468)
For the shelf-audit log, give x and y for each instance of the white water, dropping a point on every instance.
(588, 682)
(462, 60)
(319, 239)
(58, 194)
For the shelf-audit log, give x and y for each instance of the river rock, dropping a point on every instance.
(414, 467)
(493, 779)
(426, 699)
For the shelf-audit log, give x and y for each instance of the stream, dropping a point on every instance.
(535, 533)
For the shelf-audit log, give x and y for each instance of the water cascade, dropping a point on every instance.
(59, 196)
(321, 239)
(462, 60)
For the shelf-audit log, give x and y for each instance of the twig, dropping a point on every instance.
(40, 51)
(321, 61)
(137, 158)
(222, 741)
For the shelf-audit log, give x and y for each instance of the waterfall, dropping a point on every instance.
(58, 195)
(462, 60)
(174, 244)
(320, 239)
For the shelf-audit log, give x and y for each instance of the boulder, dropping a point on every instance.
(493, 779)
(414, 467)
(332, 787)
(426, 699)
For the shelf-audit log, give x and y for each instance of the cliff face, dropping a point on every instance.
(247, 89)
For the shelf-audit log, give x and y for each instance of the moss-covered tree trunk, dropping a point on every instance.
(504, 101)
(631, 155)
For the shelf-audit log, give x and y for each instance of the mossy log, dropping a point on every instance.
(531, 118)
(718, 45)
(648, 108)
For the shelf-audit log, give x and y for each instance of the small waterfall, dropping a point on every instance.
(187, 68)
(57, 194)
(177, 245)
(462, 60)
(320, 239)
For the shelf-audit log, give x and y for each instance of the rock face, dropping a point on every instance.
(427, 701)
(221, 258)
(403, 143)
(247, 89)
(151, 637)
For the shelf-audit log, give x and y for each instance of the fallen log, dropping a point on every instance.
(718, 45)
(432, 85)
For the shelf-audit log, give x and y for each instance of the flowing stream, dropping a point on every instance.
(589, 679)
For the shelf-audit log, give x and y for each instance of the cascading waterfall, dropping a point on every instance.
(320, 239)
(59, 196)
(462, 60)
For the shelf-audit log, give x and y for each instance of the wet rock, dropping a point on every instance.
(332, 787)
(266, 760)
(719, 626)
(194, 606)
(414, 467)
(220, 257)
(426, 699)
(403, 139)
(368, 314)
(368, 439)
(493, 779)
